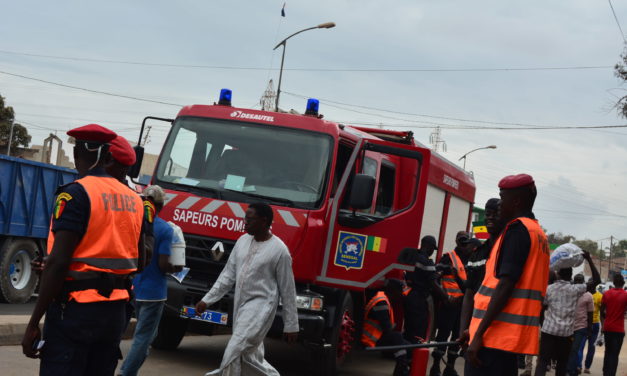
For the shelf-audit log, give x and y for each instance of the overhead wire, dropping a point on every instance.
(444, 125)
(490, 169)
(90, 90)
(622, 34)
(518, 125)
(230, 67)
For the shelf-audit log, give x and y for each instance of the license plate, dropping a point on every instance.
(219, 318)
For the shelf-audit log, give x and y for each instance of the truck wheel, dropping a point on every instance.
(17, 278)
(341, 338)
(171, 332)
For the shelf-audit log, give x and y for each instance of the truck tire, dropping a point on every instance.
(17, 278)
(341, 338)
(171, 331)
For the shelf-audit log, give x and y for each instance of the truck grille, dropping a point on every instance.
(204, 259)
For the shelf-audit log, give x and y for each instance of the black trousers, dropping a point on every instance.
(553, 348)
(82, 338)
(447, 321)
(493, 363)
(416, 316)
(613, 344)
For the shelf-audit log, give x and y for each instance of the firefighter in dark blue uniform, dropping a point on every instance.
(94, 244)
(421, 283)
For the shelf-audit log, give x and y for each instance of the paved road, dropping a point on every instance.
(198, 354)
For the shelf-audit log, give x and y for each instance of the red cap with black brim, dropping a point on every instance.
(122, 151)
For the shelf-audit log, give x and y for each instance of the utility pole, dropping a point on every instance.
(609, 268)
(10, 137)
(435, 139)
(148, 128)
(268, 97)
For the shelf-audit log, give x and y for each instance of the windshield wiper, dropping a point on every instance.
(274, 200)
(195, 189)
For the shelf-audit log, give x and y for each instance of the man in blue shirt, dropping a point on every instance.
(151, 285)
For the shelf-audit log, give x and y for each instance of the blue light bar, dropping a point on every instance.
(312, 107)
(225, 97)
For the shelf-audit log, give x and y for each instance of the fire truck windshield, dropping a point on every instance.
(240, 161)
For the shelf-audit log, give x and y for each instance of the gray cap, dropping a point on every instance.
(155, 193)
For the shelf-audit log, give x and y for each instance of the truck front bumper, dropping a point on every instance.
(310, 323)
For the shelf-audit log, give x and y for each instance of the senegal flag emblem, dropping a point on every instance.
(60, 203)
(149, 211)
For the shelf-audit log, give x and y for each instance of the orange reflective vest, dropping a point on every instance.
(517, 328)
(448, 280)
(111, 238)
(372, 328)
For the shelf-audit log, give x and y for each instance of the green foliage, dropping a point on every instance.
(559, 238)
(588, 245)
(20, 133)
(619, 247)
(620, 71)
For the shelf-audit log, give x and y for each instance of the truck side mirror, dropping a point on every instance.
(361, 192)
(133, 172)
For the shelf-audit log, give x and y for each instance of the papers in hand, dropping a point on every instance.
(180, 275)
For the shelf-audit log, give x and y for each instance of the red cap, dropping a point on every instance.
(122, 151)
(516, 181)
(93, 133)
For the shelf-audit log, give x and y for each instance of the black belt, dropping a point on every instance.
(105, 284)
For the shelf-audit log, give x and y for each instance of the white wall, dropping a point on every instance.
(432, 219)
(457, 220)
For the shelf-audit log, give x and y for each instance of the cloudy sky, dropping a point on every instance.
(403, 64)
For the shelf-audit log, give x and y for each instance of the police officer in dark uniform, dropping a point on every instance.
(94, 244)
(421, 282)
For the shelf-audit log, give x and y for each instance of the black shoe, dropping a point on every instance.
(435, 370)
(521, 361)
(401, 369)
(450, 371)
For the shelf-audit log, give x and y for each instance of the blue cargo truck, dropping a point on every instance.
(26, 202)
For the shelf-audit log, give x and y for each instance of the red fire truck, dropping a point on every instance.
(346, 199)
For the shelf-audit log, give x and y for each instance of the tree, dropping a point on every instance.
(618, 250)
(590, 246)
(559, 238)
(620, 71)
(20, 133)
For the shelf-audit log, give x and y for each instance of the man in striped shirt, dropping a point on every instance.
(559, 318)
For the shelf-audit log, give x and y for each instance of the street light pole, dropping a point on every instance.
(472, 151)
(10, 138)
(326, 25)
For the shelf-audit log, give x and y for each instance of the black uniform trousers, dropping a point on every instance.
(416, 316)
(82, 338)
(493, 363)
(448, 326)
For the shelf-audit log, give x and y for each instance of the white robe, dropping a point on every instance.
(262, 274)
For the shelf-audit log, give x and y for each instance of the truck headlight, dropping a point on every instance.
(311, 303)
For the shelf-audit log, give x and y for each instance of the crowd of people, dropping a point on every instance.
(497, 303)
